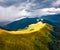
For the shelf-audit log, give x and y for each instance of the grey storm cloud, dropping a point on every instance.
(39, 3)
(7, 3)
(11, 10)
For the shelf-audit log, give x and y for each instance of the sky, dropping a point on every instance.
(11, 10)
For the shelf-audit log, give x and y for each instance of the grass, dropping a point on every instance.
(35, 37)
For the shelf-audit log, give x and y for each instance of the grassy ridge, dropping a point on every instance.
(34, 40)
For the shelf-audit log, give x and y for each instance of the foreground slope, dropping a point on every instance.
(34, 37)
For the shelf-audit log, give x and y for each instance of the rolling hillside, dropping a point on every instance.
(36, 36)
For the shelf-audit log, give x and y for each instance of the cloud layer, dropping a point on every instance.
(11, 10)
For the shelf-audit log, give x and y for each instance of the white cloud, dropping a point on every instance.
(45, 11)
(12, 12)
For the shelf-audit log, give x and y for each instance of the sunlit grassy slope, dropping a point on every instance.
(34, 37)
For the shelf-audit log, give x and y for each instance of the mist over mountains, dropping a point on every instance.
(20, 24)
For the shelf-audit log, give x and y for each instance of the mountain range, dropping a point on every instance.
(20, 24)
